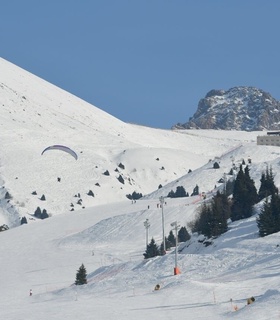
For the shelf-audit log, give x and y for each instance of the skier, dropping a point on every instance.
(30, 292)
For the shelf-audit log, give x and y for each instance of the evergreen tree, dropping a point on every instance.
(44, 214)
(216, 165)
(250, 184)
(168, 245)
(171, 194)
(183, 235)
(220, 210)
(212, 218)
(171, 238)
(152, 250)
(81, 276)
(180, 192)
(195, 191)
(8, 196)
(202, 222)
(244, 195)
(229, 187)
(38, 212)
(268, 220)
(23, 220)
(267, 186)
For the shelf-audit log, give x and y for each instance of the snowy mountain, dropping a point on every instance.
(239, 108)
(106, 232)
(36, 114)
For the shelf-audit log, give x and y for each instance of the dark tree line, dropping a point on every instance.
(212, 217)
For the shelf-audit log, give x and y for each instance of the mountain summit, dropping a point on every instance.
(239, 108)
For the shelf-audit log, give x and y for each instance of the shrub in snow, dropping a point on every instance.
(134, 196)
(23, 220)
(41, 214)
(44, 214)
(106, 173)
(90, 193)
(216, 165)
(180, 192)
(120, 178)
(43, 198)
(121, 166)
(4, 227)
(7, 195)
(38, 212)
(195, 191)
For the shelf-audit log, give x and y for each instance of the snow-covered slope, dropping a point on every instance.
(109, 240)
(108, 234)
(36, 114)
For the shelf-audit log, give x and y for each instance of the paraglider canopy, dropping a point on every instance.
(62, 148)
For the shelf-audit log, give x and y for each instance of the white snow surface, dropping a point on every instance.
(106, 233)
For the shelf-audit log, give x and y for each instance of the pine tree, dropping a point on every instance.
(180, 192)
(267, 186)
(81, 276)
(220, 210)
(23, 220)
(202, 222)
(216, 165)
(212, 218)
(244, 195)
(44, 214)
(171, 238)
(152, 250)
(38, 212)
(229, 186)
(268, 220)
(195, 191)
(183, 235)
(168, 245)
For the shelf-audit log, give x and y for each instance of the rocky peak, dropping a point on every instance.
(239, 108)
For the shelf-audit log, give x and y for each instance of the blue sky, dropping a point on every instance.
(148, 61)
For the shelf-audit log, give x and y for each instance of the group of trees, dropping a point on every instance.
(41, 214)
(181, 192)
(154, 250)
(212, 217)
